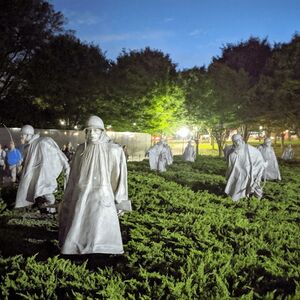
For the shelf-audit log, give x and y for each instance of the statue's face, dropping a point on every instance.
(238, 143)
(26, 137)
(268, 143)
(93, 134)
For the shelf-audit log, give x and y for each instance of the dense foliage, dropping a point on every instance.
(251, 84)
(25, 26)
(183, 240)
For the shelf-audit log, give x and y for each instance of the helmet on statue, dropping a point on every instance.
(94, 122)
(27, 129)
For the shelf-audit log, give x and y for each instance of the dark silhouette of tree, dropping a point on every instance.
(25, 26)
(277, 95)
(250, 55)
(69, 77)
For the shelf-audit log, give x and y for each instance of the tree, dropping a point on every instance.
(25, 26)
(277, 95)
(18, 109)
(72, 79)
(251, 56)
(165, 111)
(213, 97)
(139, 83)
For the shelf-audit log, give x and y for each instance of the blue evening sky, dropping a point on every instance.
(190, 31)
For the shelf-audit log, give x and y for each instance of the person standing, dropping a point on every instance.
(95, 195)
(14, 161)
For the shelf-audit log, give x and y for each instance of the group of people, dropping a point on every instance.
(68, 151)
(95, 188)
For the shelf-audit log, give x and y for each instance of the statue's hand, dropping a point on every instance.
(120, 212)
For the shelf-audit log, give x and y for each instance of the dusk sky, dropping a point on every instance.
(190, 31)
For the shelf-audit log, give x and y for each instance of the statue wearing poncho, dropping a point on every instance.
(272, 170)
(160, 156)
(169, 153)
(153, 157)
(288, 153)
(96, 192)
(43, 162)
(245, 169)
(189, 153)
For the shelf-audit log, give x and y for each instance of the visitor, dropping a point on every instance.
(13, 161)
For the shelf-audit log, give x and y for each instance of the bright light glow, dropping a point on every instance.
(75, 127)
(134, 124)
(260, 127)
(46, 132)
(183, 132)
(62, 122)
(75, 133)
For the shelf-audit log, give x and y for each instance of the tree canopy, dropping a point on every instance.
(142, 90)
(24, 27)
(72, 80)
(47, 75)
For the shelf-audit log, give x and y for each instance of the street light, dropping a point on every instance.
(183, 132)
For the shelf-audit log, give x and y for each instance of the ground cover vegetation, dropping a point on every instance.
(184, 240)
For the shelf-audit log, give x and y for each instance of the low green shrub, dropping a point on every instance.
(180, 241)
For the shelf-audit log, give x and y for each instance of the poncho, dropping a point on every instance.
(272, 169)
(43, 163)
(96, 190)
(189, 153)
(245, 169)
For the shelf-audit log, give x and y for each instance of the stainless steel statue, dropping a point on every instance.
(43, 162)
(288, 153)
(245, 170)
(189, 153)
(95, 194)
(272, 169)
(160, 156)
